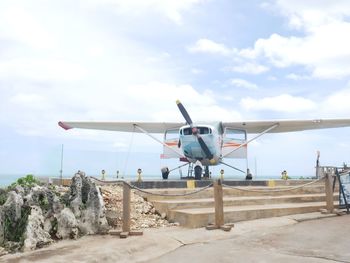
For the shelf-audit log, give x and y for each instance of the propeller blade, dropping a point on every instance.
(184, 113)
(205, 148)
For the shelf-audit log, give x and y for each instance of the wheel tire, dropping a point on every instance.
(165, 172)
(198, 172)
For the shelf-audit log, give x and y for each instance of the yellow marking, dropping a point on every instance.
(271, 183)
(178, 102)
(212, 161)
(191, 184)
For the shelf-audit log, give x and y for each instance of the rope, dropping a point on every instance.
(150, 193)
(273, 190)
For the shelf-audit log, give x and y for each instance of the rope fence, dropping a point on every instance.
(152, 193)
(218, 199)
(273, 190)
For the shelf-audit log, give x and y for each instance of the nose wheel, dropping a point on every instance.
(198, 170)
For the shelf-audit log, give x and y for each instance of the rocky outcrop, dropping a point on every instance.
(34, 216)
(35, 236)
(67, 225)
(87, 205)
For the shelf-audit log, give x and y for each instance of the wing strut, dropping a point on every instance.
(252, 139)
(156, 139)
(232, 167)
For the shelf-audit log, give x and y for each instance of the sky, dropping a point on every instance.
(114, 60)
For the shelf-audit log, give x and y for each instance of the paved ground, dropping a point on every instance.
(264, 240)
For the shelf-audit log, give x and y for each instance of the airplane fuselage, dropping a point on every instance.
(191, 147)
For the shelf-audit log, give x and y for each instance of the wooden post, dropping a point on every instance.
(219, 209)
(126, 208)
(125, 232)
(329, 192)
(219, 203)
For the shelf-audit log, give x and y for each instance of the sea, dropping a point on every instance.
(8, 179)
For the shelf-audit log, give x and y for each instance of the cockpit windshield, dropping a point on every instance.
(201, 130)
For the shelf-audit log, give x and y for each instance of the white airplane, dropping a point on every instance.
(204, 144)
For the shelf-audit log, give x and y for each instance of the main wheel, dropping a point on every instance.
(165, 172)
(198, 172)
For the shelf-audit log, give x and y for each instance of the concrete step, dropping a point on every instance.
(164, 206)
(240, 191)
(200, 217)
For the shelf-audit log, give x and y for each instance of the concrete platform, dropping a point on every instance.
(240, 203)
(273, 240)
(200, 217)
(164, 206)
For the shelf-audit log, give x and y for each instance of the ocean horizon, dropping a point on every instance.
(8, 179)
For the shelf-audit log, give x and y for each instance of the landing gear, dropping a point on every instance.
(165, 172)
(206, 172)
(198, 172)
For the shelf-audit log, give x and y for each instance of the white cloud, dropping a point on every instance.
(250, 68)
(297, 77)
(322, 50)
(42, 69)
(171, 9)
(17, 23)
(282, 103)
(309, 15)
(208, 46)
(241, 83)
(337, 104)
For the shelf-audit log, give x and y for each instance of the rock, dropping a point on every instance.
(87, 205)
(35, 236)
(3, 251)
(13, 206)
(67, 225)
(143, 213)
(75, 198)
(45, 198)
(11, 227)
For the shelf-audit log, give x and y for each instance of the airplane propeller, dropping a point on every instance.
(201, 142)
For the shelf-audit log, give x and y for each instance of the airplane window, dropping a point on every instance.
(203, 130)
(187, 131)
(172, 134)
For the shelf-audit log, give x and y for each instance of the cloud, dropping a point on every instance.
(241, 83)
(42, 69)
(323, 45)
(19, 24)
(297, 77)
(337, 104)
(209, 46)
(250, 68)
(309, 15)
(171, 9)
(282, 103)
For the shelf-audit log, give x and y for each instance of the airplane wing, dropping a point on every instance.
(287, 125)
(151, 127)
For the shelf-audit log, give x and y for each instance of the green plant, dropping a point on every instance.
(27, 181)
(14, 230)
(3, 196)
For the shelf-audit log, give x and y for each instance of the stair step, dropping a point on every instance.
(199, 217)
(164, 206)
(208, 193)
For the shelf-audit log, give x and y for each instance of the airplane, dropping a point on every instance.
(206, 144)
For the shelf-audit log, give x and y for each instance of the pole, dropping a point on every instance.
(219, 204)
(329, 192)
(126, 209)
(61, 171)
